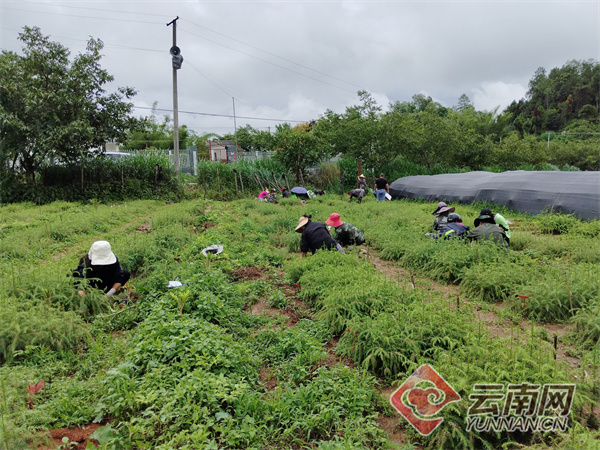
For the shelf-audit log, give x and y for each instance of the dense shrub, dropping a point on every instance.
(134, 177)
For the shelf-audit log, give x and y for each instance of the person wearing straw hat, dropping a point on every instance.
(345, 233)
(362, 183)
(441, 215)
(101, 267)
(315, 236)
(486, 229)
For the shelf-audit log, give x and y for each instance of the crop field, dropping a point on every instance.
(261, 348)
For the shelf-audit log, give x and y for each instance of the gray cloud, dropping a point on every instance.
(292, 60)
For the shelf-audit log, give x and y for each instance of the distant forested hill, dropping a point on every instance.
(566, 99)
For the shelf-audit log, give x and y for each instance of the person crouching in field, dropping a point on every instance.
(315, 236)
(358, 193)
(441, 215)
(499, 220)
(486, 228)
(101, 267)
(454, 228)
(345, 233)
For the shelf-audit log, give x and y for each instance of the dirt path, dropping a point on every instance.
(490, 317)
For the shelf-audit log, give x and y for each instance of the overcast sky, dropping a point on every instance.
(290, 61)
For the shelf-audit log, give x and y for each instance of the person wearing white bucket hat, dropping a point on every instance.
(102, 268)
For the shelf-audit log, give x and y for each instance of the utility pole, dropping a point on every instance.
(177, 60)
(234, 126)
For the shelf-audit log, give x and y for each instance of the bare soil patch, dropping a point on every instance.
(144, 228)
(333, 358)
(396, 434)
(267, 378)
(78, 435)
(408, 278)
(248, 274)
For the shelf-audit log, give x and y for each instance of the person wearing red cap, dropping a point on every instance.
(345, 233)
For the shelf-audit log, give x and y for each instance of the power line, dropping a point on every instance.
(273, 54)
(209, 80)
(98, 9)
(269, 62)
(84, 17)
(220, 115)
(193, 34)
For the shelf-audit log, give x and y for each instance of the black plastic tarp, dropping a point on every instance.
(575, 193)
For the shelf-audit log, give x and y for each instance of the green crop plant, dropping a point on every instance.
(13, 433)
(23, 324)
(557, 295)
(588, 324)
(553, 223)
(496, 281)
(212, 374)
(337, 402)
(293, 352)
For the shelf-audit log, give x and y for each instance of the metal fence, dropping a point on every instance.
(188, 160)
(233, 156)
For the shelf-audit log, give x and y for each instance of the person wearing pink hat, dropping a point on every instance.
(102, 268)
(441, 215)
(345, 233)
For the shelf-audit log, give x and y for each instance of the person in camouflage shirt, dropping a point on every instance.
(345, 233)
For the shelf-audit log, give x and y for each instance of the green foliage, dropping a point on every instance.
(99, 179)
(197, 368)
(252, 176)
(588, 325)
(293, 352)
(53, 107)
(557, 295)
(556, 99)
(298, 148)
(23, 324)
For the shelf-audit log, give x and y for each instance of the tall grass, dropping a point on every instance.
(103, 179)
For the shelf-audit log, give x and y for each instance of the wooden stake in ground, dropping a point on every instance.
(203, 182)
(257, 180)
(218, 179)
(241, 182)
(287, 185)
(235, 178)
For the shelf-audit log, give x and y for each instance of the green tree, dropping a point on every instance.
(298, 148)
(252, 140)
(152, 134)
(51, 107)
(464, 104)
(554, 100)
(356, 132)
